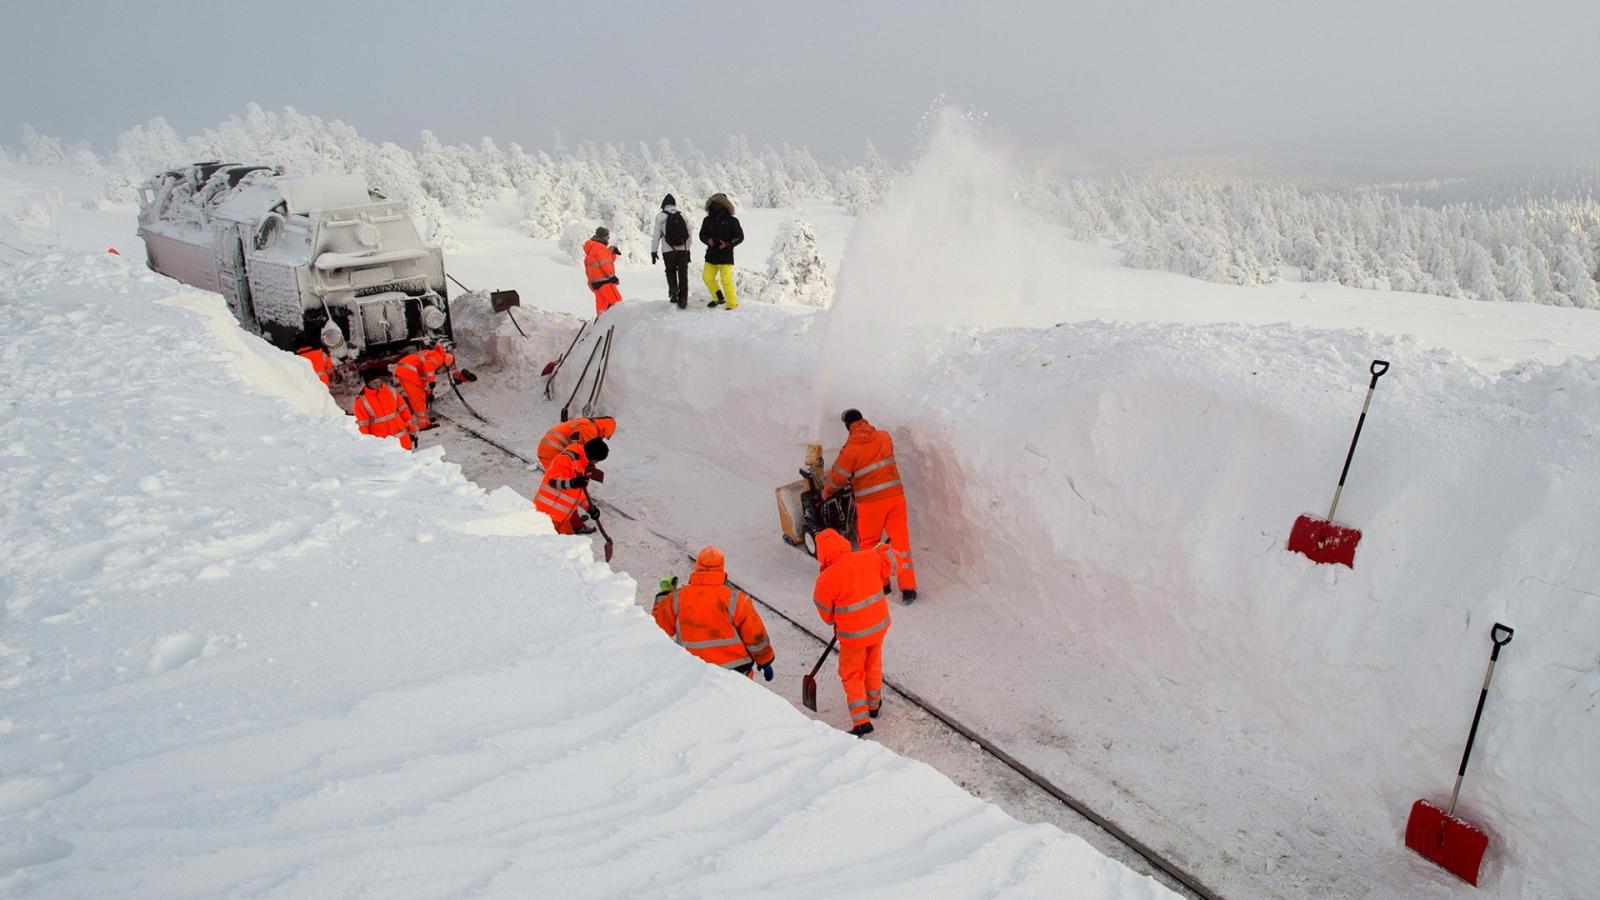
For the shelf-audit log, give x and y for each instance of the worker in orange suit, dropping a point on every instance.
(851, 596)
(380, 410)
(866, 463)
(580, 429)
(715, 621)
(563, 493)
(599, 267)
(417, 373)
(321, 362)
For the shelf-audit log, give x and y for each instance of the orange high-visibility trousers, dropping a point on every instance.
(861, 671)
(417, 398)
(873, 519)
(605, 297)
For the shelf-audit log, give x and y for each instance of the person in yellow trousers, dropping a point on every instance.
(720, 232)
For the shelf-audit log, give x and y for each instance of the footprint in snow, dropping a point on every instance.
(175, 650)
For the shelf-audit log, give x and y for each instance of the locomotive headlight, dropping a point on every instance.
(432, 318)
(331, 335)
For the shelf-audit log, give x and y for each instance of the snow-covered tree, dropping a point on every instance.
(796, 272)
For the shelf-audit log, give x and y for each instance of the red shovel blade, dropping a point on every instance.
(548, 368)
(808, 692)
(1446, 841)
(1323, 541)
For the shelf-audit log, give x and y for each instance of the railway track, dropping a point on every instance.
(1181, 879)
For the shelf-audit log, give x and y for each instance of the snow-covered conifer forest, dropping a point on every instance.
(1532, 239)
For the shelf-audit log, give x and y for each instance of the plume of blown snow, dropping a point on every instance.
(952, 245)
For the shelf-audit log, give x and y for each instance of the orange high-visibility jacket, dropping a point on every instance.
(866, 463)
(850, 589)
(557, 496)
(321, 363)
(434, 359)
(713, 621)
(598, 263)
(580, 430)
(384, 413)
(421, 368)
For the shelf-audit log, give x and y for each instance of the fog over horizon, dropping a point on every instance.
(1368, 87)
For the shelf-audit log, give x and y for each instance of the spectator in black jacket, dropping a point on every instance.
(720, 232)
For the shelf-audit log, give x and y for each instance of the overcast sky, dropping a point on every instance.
(1474, 81)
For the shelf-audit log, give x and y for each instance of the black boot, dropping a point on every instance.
(862, 730)
(908, 597)
(717, 302)
(873, 712)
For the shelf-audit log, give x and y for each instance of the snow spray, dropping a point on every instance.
(950, 246)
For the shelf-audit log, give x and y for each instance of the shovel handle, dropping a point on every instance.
(825, 651)
(1377, 368)
(1495, 634)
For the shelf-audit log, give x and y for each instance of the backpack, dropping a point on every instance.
(676, 230)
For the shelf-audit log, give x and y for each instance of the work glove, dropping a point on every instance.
(468, 376)
(654, 257)
(766, 671)
(596, 475)
(886, 588)
(614, 251)
(594, 514)
(580, 482)
(666, 585)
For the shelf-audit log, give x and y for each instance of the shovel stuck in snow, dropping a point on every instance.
(1455, 844)
(1324, 540)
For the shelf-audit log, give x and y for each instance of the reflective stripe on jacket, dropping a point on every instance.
(598, 263)
(850, 589)
(557, 497)
(715, 622)
(580, 431)
(384, 413)
(866, 463)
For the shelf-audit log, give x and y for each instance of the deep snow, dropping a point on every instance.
(1100, 510)
(249, 651)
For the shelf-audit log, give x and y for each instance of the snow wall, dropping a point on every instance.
(1130, 488)
(246, 650)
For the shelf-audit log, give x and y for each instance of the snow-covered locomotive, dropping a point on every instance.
(301, 261)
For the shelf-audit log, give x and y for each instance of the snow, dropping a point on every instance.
(1103, 466)
(249, 651)
(1108, 501)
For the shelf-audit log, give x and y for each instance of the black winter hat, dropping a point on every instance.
(596, 450)
(668, 200)
(374, 372)
(850, 417)
(602, 233)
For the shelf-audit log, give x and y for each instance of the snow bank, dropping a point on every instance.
(1126, 491)
(248, 651)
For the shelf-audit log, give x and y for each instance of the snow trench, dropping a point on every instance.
(249, 651)
(1121, 495)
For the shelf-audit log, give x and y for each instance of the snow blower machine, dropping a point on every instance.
(802, 512)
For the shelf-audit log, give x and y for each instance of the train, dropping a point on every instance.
(302, 261)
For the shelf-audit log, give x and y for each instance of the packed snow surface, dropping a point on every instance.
(1103, 465)
(1100, 510)
(249, 651)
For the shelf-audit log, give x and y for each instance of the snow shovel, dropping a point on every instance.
(594, 516)
(1437, 834)
(808, 685)
(565, 407)
(554, 365)
(1324, 540)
